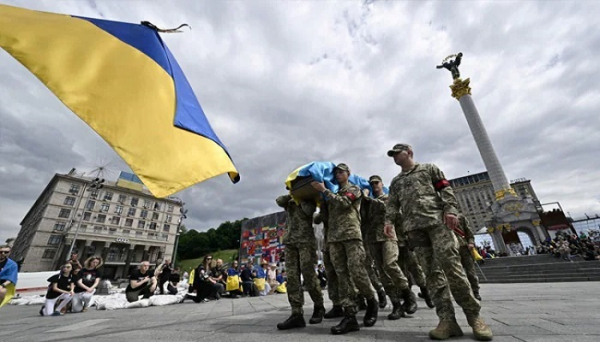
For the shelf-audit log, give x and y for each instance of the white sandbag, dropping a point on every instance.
(142, 303)
(28, 300)
(165, 300)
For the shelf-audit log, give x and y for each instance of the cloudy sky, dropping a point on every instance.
(286, 83)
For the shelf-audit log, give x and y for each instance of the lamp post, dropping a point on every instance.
(183, 216)
(96, 184)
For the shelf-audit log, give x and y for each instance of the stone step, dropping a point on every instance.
(543, 275)
(540, 280)
(529, 259)
(539, 269)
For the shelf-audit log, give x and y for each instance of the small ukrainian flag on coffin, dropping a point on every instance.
(122, 80)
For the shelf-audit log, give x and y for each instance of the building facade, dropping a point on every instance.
(475, 194)
(124, 224)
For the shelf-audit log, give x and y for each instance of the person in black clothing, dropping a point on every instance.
(203, 287)
(321, 276)
(142, 282)
(218, 278)
(165, 275)
(247, 279)
(174, 279)
(61, 288)
(86, 283)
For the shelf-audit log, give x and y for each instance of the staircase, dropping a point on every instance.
(538, 269)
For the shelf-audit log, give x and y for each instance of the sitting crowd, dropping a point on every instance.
(569, 246)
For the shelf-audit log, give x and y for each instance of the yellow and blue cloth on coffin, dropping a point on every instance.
(123, 81)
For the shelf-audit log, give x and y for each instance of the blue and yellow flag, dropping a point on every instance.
(122, 80)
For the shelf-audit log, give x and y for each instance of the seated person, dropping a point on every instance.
(62, 287)
(216, 277)
(233, 272)
(142, 282)
(86, 283)
(247, 279)
(203, 286)
(261, 273)
(174, 279)
(9, 271)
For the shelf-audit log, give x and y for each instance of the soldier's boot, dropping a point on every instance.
(335, 312)
(445, 330)
(348, 324)
(317, 316)
(476, 294)
(294, 321)
(361, 303)
(410, 301)
(397, 310)
(481, 331)
(371, 314)
(382, 298)
(425, 295)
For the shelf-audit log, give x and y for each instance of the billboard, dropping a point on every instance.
(262, 238)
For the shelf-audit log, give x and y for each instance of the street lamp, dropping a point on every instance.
(96, 184)
(183, 216)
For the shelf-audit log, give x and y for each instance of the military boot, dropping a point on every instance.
(317, 316)
(335, 312)
(425, 295)
(481, 331)
(410, 301)
(382, 298)
(476, 294)
(371, 314)
(347, 325)
(361, 303)
(295, 321)
(445, 330)
(397, 310)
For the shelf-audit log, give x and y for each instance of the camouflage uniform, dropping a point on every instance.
(345, 245)
(384, 249)
(466, 258)
(408, 260)
(300, 253)
(370, 266)
(332, 279)
(422, 195)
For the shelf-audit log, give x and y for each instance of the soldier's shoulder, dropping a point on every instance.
(428, 166)
(396, 178)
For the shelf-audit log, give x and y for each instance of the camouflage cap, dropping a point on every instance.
(375, 178)
(341, 166)
(398, 148)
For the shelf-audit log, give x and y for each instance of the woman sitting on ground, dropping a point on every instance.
(203, 287)
(61, 288)
(86, 283)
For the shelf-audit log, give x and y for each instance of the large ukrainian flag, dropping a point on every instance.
(122, 80)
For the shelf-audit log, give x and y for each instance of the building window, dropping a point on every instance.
(141, 224)
(112, 231)
(128, 222)
(108, 196)
(155, 216)
(74, 189)
(122, 199)
(69, 200)
(83, 228)
(144, 213)
(116, 220)
(87, 216)
(152, 235)
(170, 208)
(60, 226)
(138, 234)
(131, 212)
(153, 225)
(166, 227)
(98, 229)
(64, 213)
(90, 205)
(165, 236)
(49, 254)
(147, 204)
(157, 206)
(54, 239)
(105, 207)
(169, 218)
(119, 209)
(94, 193)
(126, 232)
(101, 218)
(134, 201)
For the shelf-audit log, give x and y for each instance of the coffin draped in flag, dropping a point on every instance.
(322, 171)
(122, 80)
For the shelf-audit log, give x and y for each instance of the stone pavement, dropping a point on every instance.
(516, 312)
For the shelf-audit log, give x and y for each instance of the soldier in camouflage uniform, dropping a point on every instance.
(301, 256)
(429, 211)
(370, 266)
(385, 251)
(410, 265)
(466, 242)
(347, 251)
(332, 279)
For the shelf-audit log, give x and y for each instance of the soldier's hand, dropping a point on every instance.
(471, 246)
(366, 192)
(451, 221)
(319, 186)
(388, 230)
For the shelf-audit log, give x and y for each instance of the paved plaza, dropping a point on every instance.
(516, 312)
